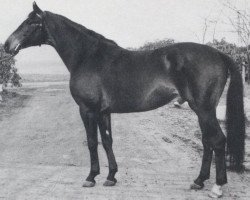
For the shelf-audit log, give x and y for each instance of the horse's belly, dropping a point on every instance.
(158, 97)
(144, 100)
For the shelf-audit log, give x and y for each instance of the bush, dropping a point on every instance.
(8, 72)
(238, 54)
(156, 44)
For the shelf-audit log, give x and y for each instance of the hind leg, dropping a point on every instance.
(207, 153)
(107, 141)
(207, 149)
(205, 166)
(213, 140)
(203, 118)
(218, 144)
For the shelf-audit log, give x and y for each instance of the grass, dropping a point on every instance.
(11, 102)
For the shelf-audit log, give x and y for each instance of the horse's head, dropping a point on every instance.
(30, 33)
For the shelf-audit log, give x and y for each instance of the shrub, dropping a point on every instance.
(8, 72)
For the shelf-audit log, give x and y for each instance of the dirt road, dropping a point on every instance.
(44, 154)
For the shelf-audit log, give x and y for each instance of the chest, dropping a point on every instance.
(85, 88)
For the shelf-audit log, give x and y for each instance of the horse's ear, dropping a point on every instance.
(37, 10)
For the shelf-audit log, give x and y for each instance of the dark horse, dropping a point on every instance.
(105, 79)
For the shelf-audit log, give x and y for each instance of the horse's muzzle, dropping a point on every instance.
(7, 46)
(12, 46)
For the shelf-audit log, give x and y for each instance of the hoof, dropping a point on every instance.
(109, 183)
(195, 186)
(214, 195)
(88, 184)
(216, 192)
(177, 105)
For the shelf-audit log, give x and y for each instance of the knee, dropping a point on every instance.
(106, 139)
(113, 170)
(92, 145)
(91, 116)
(205, 142)
(106, 145)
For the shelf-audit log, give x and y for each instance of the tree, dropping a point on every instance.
(241, 24)
(8, 72)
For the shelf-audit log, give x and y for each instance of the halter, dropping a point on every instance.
(40, 26)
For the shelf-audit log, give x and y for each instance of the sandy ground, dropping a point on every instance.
(44, 154)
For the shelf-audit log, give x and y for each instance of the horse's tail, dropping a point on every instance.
(235, 119)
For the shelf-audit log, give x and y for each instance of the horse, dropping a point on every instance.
(106, 78)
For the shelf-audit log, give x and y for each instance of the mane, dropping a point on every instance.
(82, 29)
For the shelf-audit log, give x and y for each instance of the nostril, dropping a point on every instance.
(6, 46)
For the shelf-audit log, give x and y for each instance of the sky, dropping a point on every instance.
(130, 23)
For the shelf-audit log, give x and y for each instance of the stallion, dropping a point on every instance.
(106, 78)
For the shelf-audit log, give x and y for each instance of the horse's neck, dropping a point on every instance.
(72, 45)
